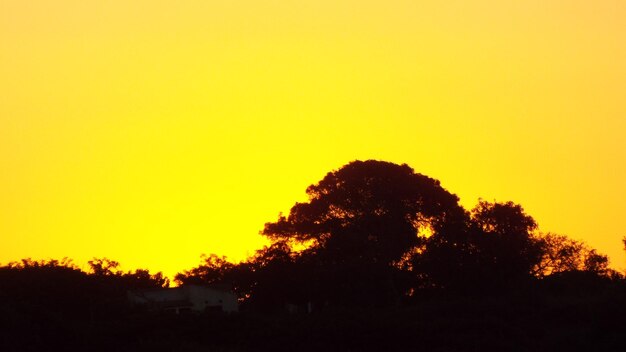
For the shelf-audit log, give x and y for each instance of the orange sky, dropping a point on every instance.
(152, 131)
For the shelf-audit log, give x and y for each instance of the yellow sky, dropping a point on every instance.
(152, 131)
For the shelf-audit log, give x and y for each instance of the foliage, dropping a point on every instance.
(562, 254)
(213, 269)
(367, 211)
(507, 244)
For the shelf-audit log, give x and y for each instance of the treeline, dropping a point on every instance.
(62, 288)
(50, 305)
(382, 257)
(375, 233)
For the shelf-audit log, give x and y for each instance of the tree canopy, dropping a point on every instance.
(370, 211)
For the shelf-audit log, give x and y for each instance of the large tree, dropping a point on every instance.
(359, 224)
(367, 212)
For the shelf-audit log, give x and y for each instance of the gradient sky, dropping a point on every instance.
(152, 131)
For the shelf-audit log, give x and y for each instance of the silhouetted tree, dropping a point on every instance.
(143, 279)
(240, 277)
(212, 270)
(47, 285)
(107, 269)
(561, 254)
(360, 221)
(104, 267)
(266, 281)
(507, 243)
(368, 211)
(596, 263)
(494, 247)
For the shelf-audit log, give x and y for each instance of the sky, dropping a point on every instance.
(152, 131)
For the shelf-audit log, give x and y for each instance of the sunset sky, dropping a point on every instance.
(153, 131)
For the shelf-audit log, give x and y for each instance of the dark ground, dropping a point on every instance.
(539, 319)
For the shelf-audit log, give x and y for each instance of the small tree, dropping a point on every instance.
(104, 267)
(561, 254)
(506, 238)
(212, 270)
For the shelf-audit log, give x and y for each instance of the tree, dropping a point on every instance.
(561, 254)
(367, 211)
(596, 263)
(360, 221)
(503, 219)
(492, 248)
(143, 279)
(104, 267)
(213, 270)
(241, 277)
(507, 243)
